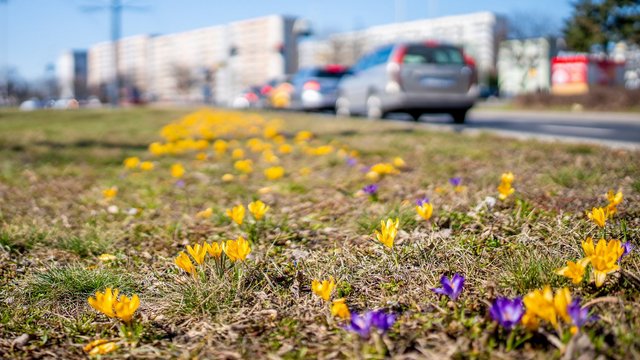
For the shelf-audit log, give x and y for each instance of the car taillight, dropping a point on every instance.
(334, 68)
(266, 89)
(394, 67)
(311, 85)
(471, 64)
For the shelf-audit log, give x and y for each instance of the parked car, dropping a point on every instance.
(415, 78)
(316, 88)
(248, 98)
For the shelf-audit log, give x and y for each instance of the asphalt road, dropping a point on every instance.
(612, 129)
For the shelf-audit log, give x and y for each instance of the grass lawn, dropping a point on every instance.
(58, 228)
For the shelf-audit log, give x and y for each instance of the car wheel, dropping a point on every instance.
(459, 116)
(342, 106)
(415, 115)
(374, 107)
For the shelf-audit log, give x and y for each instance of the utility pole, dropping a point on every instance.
(4, 90)
(115, 7)
(116, 29)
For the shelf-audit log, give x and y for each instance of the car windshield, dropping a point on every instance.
(445, 55)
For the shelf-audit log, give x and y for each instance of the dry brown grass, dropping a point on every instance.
(53, 167)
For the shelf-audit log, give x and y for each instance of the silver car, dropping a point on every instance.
(315, 88)
(415, 78)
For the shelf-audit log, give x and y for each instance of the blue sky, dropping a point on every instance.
(34, 32)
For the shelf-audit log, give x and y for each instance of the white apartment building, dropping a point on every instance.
(478, 33)
(210, 64)
(71, 74)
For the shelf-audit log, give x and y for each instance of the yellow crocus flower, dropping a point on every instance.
(285, 149)
(244, 166)
(103, 302)
(185, 263)
(237, 154)
(205, 214)
(504, 190)
(157, 149)
(131, 162)
(258, 209)
(197, 252)
(372, 176)
(384, 169)
(125, 307)
(340, 309)
(177, 170)
(201, 156)
(103, 348)
(588, 248)
(574, 270)
(561, 300)
(274, 172)
(228, 177)
(303, 136)
(507, 178)
(614, 198)
(388, 232)
(269, 157)
(530, 320)
(324, 288)
(220, 147)
(605, 259)
(214, 249)
(110, 193)
(598, 216)
(399, 163)
(237, 250)
(236, 214)
(425, 211)
(93, 344)
(146, 166)
(540, 303)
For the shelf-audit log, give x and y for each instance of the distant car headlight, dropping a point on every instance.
(311, 96)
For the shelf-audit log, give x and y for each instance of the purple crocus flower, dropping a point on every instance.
(422, 201)
(351, 161)
(628, 246)
(507, 312)
(455, 181)
(382, 320)
(370, 189)
(180, 183)
(450, 287)
(579, 315)
(363, 324)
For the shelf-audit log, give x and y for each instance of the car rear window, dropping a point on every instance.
(444, 55)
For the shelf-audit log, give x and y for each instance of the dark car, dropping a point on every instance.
(415, 78)
(316, 88)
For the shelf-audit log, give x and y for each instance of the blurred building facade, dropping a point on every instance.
(478, 33)
(71, 74)
(207, 65)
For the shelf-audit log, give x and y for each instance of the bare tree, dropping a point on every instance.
(526, 25)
